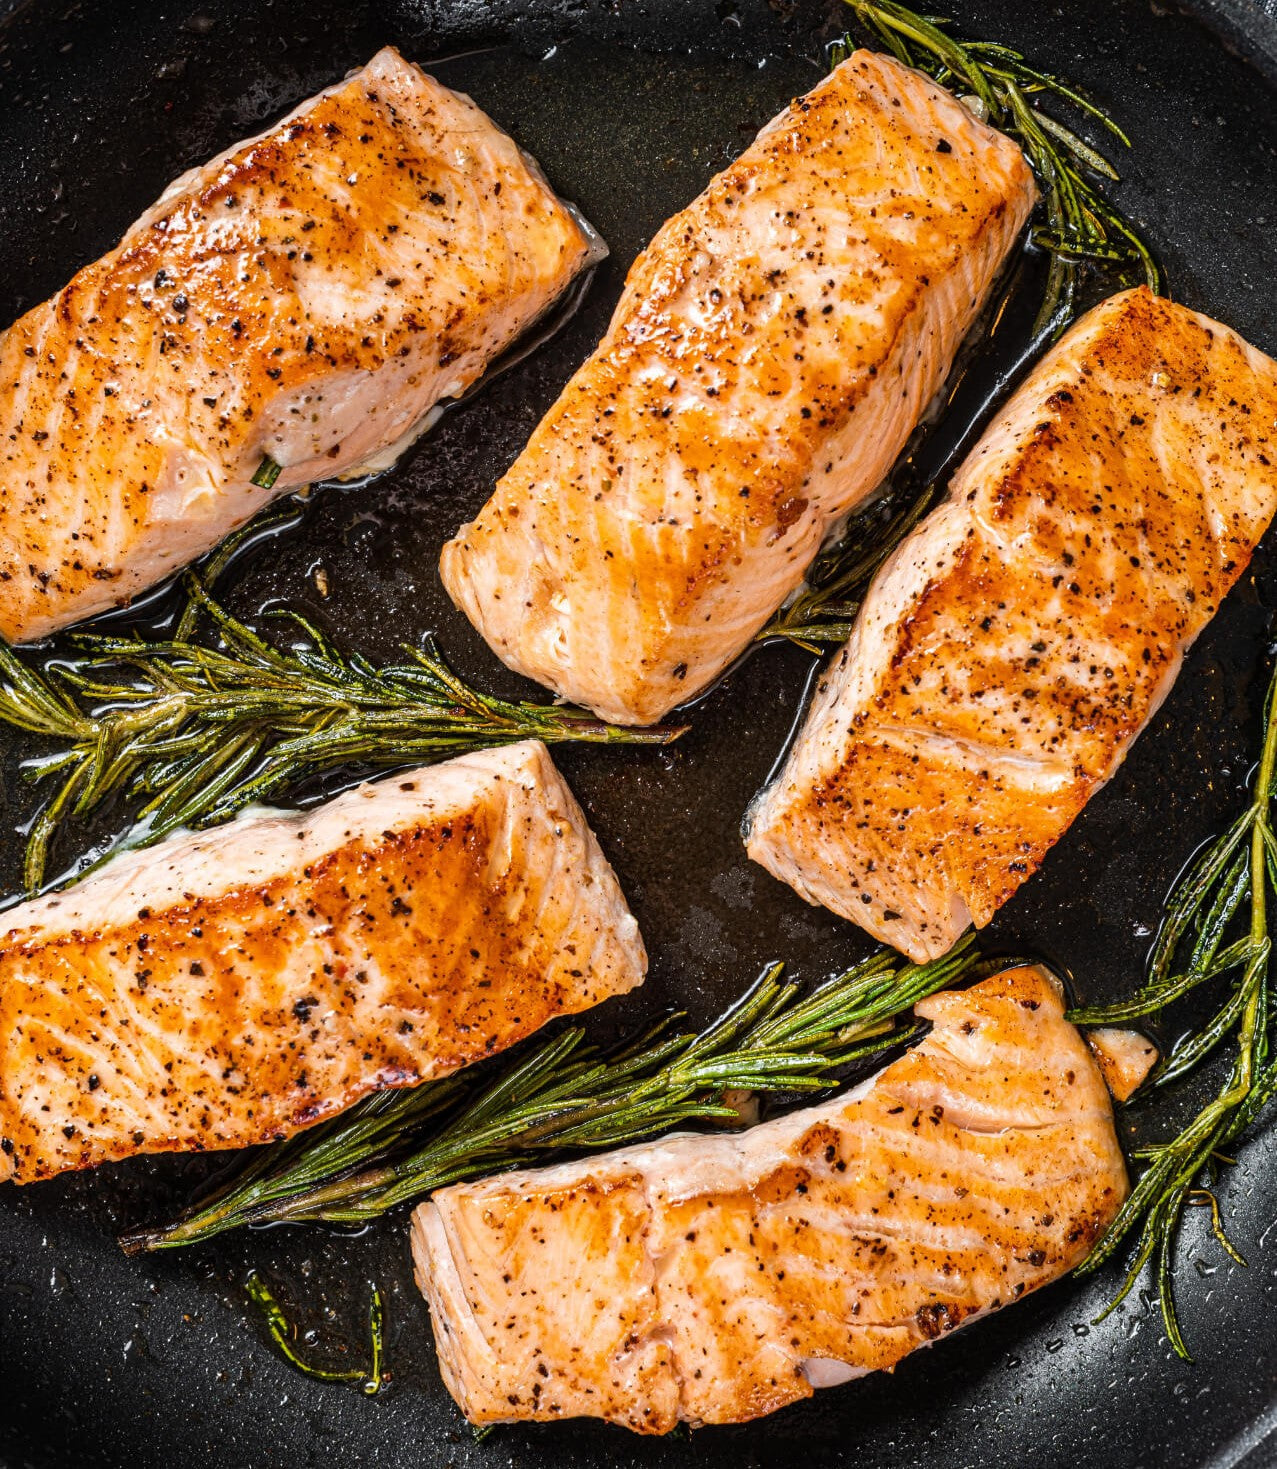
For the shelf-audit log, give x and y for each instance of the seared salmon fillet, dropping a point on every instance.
(714, 1279)
(234, 986)
(307, 297)
(1016, 643)
(774, 347)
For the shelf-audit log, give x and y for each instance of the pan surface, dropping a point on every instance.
(630, 105)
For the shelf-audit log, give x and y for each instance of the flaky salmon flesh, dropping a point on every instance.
(1017, 642)
(234, 986)
(306, 298)
(713, 1279)
(774, 348)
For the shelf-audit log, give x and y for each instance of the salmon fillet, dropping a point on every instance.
(1016, 643)
(774, 347)
(714, 1279)
(234, 986)
(308, 296)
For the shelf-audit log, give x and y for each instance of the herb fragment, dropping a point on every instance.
(266, 473)
(196, 733)
(283, 1335)
(1230, 880)
(562, 1095)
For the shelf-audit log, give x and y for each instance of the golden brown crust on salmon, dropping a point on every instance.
(309, 296)
(775, 346)
(232, 987)
(1018, 641)
(712, 1279)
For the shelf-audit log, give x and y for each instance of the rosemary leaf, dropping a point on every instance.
(281, 516)
(562, 1094)
(1151, 999)
(266, 473)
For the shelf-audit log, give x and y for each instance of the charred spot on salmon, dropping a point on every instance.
(935, 1319)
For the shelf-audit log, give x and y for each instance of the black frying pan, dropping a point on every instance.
(630, 105)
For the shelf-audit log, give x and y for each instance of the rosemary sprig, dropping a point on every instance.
(1078, 224)
(283, 1335)
(563, 1094)
(1230, 880)
(196, 733)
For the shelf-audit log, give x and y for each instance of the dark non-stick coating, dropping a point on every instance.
(630, 105)
(1249, 27)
